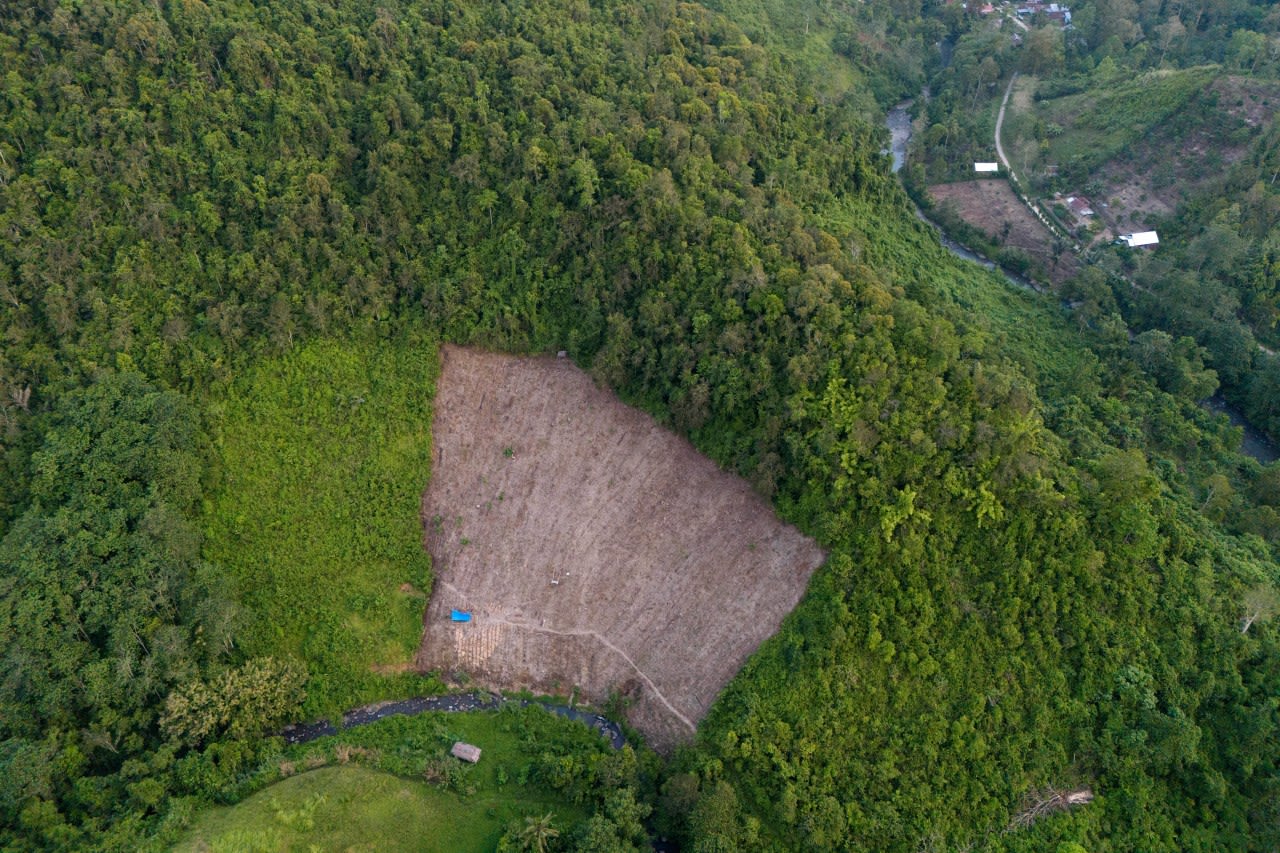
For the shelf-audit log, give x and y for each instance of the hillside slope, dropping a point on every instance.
(592, 548)
(1030, 584)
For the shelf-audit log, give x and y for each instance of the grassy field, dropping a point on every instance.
(323, 456)
(1106, 120)
(354, 807)
(344, 808)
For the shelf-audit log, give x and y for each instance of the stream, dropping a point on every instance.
(899, 123)
(1254, 444)
(304, 732)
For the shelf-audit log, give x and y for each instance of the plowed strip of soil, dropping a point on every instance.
(994, 207)
(592, 548)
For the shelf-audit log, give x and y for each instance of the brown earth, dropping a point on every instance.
(594, 549)
(1163, 170)
(990, 206)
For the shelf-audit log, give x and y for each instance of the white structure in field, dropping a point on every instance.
(1141, 238)
(986, 167)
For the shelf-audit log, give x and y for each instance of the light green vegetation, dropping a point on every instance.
(1114, 112)
(324, 454)
(802, 33)
(346, 808)
(392, 786)
(851, 55)
(1030, 327)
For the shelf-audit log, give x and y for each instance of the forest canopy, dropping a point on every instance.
(1030, 587)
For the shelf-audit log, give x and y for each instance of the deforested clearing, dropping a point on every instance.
(592, 548)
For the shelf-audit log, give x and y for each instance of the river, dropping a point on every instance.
(1254, 444)
(899, 123)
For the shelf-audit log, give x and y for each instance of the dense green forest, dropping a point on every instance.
(1049, 569)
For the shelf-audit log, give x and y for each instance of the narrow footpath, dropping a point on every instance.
(525, 626)
(592, 635)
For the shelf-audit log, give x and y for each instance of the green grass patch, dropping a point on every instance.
(324, 453)
(382, 800)
(345, 808)
(1106, 120)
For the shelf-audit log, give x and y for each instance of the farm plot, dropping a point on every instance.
(994, 208)
(591, 548)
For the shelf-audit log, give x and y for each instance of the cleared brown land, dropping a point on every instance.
(992, 205)
(593, 548)
(1161, 171)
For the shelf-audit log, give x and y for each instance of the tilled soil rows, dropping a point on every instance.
(592, 548)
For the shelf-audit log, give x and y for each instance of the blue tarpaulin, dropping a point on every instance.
(460, 615)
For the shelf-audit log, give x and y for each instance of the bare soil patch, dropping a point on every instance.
(1134, 202)
(1172, 164)
(593, 548)
(994, 208)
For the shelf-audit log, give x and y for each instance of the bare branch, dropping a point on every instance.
(1046, 801)
(21, 397)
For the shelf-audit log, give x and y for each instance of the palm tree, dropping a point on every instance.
(537, 832)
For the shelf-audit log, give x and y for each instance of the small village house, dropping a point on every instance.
(1079, 205)
(1056, 12)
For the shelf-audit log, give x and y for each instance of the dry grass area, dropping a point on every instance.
(993, 207)
(1133, 203)
(1022, 100)
(594, 549)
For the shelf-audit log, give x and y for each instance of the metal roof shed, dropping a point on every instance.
(1140, 238)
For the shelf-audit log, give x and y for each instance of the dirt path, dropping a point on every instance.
(1004, 161)
(603, 641)
(593, 548)
(598, 638)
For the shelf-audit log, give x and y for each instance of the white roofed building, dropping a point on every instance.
(1140, 238)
